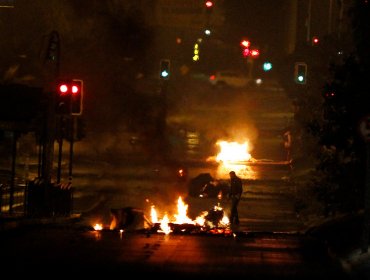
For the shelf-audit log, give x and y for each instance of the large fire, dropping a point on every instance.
(215, 218)
(233, 152)
(233, 156)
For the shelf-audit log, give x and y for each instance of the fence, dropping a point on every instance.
(36, 199)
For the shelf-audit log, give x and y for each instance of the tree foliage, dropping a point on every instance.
(330, 111)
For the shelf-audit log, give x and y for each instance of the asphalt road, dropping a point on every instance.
(75, 250)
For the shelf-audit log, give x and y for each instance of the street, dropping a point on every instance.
(270, 241)
(72, 249)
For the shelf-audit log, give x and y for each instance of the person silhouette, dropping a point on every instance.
(236, 190)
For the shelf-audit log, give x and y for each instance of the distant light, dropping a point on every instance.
(258, 81)
(63, 88)
(164, 74)
(267, 66)
(178, 40)
(209, 4)
(315, 40)
(255, 53)
(246, 52)
(245, 43)
(207, 32)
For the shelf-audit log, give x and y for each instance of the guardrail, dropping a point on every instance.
(13, 200)
(36, 199)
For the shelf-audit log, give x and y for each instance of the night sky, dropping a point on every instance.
(262, 21)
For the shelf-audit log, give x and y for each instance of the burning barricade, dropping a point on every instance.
(206, 222)
(132, 219)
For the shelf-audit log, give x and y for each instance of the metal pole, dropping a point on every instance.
(12, 179)
(72, 120)
(366, 222)
(61, 132)
(309, 21)
(330, 16)
(60, 151)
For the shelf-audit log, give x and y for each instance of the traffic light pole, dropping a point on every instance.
(60, 148)
(366, 221)
(49, 137)
(72, 122)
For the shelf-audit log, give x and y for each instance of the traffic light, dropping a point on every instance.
(254, 53)
(77, 96)
(300, 72)
(315, 41)
(164, 69)
(63, 103)
(52, 52)
(209, 5)
(69, 97)
(267, 66)
(245, 43)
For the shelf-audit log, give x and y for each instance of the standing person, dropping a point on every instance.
(236, 190)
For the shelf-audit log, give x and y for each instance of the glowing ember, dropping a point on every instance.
(98, 227)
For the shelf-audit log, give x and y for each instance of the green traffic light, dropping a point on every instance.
(164, 74)
(267, 66)
(300, 78)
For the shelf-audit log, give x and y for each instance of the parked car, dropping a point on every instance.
(229, 78)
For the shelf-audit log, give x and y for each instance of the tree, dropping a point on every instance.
(340, 163)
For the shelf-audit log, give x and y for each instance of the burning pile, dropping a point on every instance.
(207, 221)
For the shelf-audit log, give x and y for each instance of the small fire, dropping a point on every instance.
(182, 210)
(165, 225)
(98, 227)
(153, 214)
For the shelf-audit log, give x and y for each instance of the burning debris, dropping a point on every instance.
(181, 223)
(232, 156)
(132, 219)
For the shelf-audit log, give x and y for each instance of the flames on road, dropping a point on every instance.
(232, 156)
(215, 218)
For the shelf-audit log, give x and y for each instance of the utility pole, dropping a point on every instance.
(308, 22)
(364, 128)
(52, 62)
(330, 17)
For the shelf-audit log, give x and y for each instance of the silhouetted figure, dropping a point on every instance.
(236, 190)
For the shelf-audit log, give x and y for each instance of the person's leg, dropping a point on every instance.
(234, 211)
(236, 214)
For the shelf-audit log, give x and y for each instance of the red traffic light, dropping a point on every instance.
(63, 88)
(209, 4)
(77, 96)
(315, 40)
(70, 94)
(255, 53)
(245, 43)
(246, 52)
